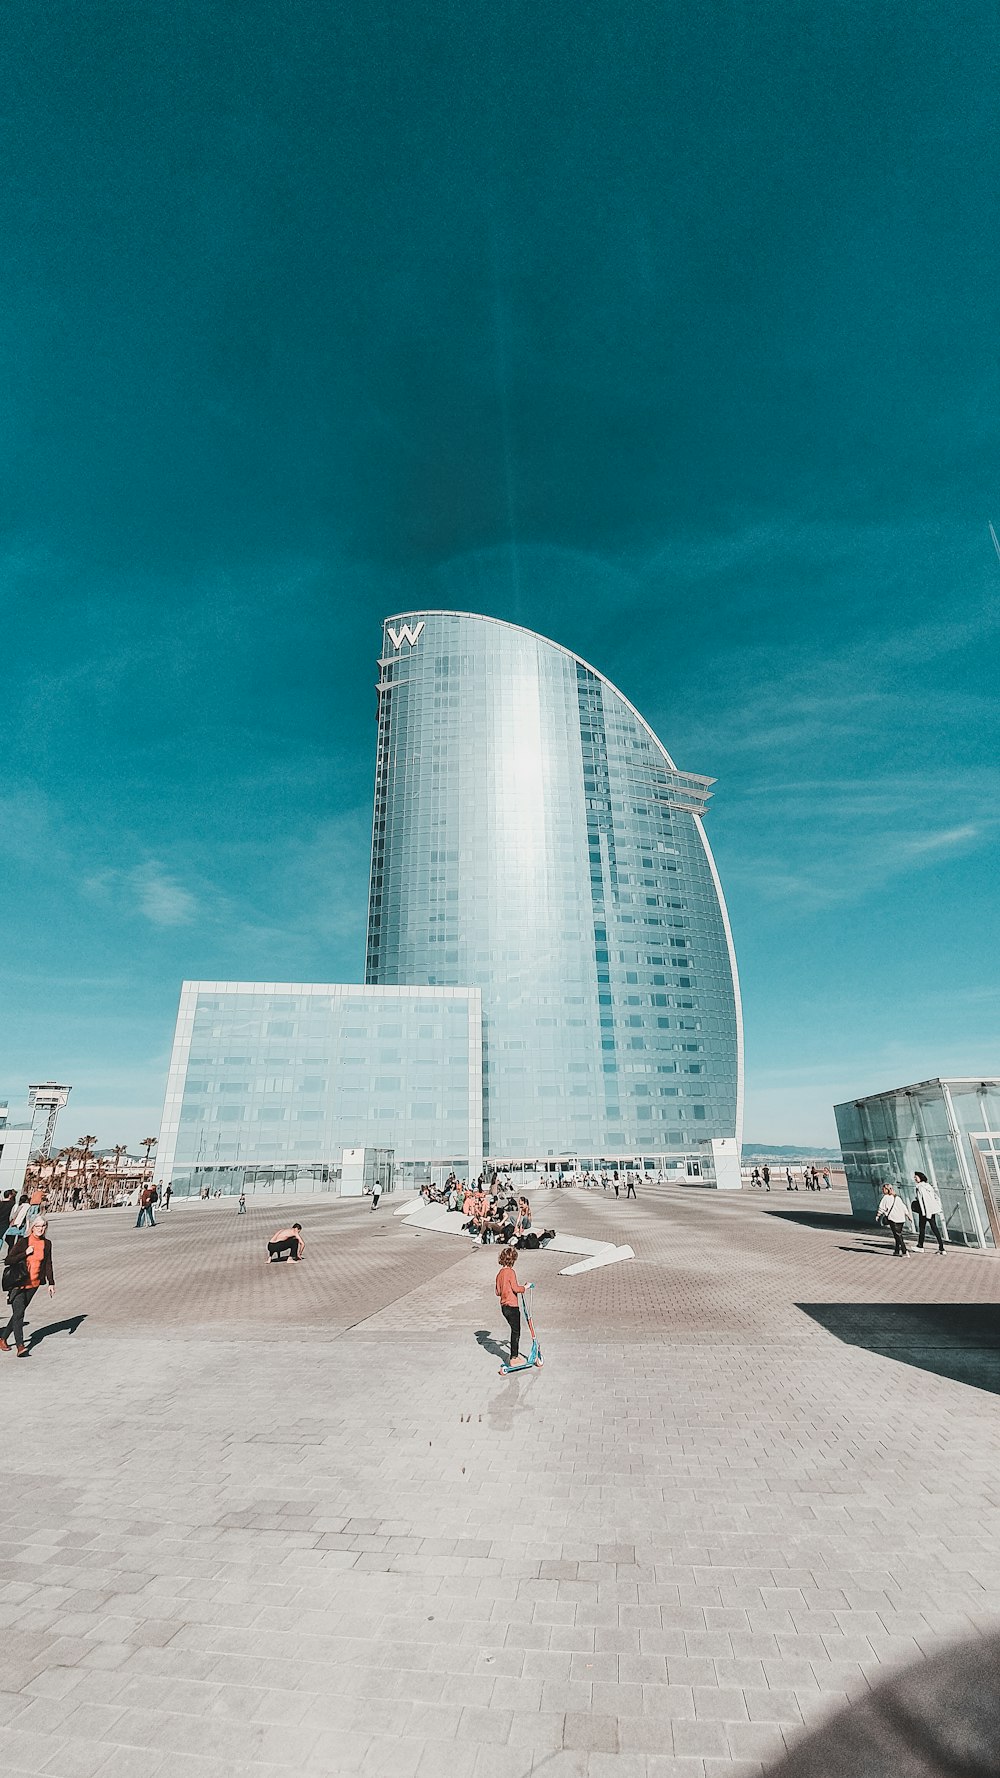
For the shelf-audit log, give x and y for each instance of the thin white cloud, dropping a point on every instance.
(147, 889)
(159, 897)
(944, 841)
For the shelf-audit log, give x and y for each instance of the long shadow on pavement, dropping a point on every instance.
(485, 1339)
(69, 1326)
(819, 1219)
(957, 1340)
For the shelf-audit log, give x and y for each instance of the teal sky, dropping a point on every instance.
(670, 331)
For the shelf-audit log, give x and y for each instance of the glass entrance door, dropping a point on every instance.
(986, 1149)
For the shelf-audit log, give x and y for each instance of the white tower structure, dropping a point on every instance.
(46, 1099)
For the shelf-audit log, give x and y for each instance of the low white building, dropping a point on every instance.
(15, 1148)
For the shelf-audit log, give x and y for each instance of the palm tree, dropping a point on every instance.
(149, 1143)
(62, 1159)
(85, 1146)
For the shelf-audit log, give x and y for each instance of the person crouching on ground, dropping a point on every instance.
(286, 1243)
(893, 1211)
(510, 1291)
(28, 1265)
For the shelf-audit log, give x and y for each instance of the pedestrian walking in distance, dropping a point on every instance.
(766, 1177)
(286, 1243)
(28, 1266)
(630, 1186)
(928, 1208)
(510, 1292)
(241, 1208)
(376, 1194)
(20, 1216)
(894, 1212)
(146, 1201)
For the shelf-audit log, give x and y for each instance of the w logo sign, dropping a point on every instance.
(405, 634)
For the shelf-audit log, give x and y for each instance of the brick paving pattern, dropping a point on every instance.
(270, 1519)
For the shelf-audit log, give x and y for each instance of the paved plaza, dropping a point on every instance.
(289, 1518)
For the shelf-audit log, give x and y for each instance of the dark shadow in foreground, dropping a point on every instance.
(485, 1339)
(69, 1326)
(957, 1340)
(818, 1219)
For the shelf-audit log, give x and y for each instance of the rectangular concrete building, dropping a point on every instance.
(947, 1129)
(269, 1082)
(15, 1147)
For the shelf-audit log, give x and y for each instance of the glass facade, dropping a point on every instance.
(270, 1082)
(948, 1129)
(533, 839)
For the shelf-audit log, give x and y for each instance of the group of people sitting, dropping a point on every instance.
(499, 1216)
(492, 1211)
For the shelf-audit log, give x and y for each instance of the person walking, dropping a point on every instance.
(827, 1181)
(927, 1204)
(241, 1208)
(376, 1194)
(168, 1192)
(630, 1186)
(19, 1216)
(28, 1266)
(510, 1292)
(147, 1199)
(616, 1182)
(791, 1186)
(894, 1212)
(766, 1177)
(7, 1203)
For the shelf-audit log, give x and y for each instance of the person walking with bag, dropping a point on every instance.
(927, 1205)
(28, 1265)
(893, 1211)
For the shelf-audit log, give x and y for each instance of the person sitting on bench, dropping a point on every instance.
(287, 1243)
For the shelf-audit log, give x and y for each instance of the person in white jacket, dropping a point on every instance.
(928, 1210)
(893, 1211)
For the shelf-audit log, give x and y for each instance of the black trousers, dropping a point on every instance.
(283, 1249)
(934, 1228)
(897, 1234)
(512, 1315)
(630, 1190)
(19, 1300)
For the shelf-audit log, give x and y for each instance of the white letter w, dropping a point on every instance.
(405, 634)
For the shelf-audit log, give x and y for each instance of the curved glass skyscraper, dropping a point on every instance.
(533, 838)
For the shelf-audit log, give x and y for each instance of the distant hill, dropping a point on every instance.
(762, 1151)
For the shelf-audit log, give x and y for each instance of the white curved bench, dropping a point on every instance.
(449, 1222)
